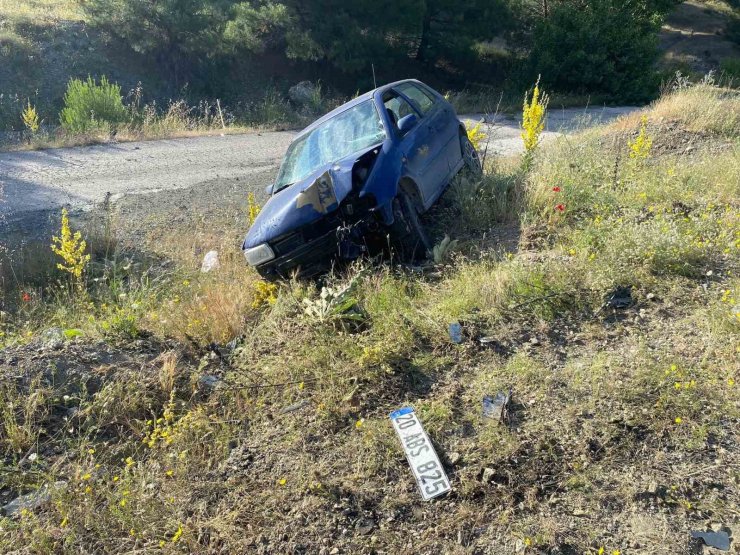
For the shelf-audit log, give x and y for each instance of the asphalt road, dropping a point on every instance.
(37, 182)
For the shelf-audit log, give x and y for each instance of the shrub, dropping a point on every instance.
(731, 67)
(604, 47)
(89, 105)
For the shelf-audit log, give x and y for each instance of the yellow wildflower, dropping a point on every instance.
(476, 136)
(253, 209)
(30, 118)
(176, 535)
(533, 118)
(640, 147)
(70, 247)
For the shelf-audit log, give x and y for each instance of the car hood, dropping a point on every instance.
(304, 202)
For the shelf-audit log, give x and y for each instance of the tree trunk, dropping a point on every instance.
(426, 25)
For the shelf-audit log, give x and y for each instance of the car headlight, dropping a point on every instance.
(259, 254)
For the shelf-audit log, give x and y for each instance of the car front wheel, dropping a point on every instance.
(408, 235)
(470, 156)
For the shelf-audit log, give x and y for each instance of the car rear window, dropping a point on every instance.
(423, 100)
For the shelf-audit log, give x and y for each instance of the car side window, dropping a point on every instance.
(423, 100)
(397, 107)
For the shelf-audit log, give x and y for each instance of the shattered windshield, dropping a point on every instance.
(351, 131)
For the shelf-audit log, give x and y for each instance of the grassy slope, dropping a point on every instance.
(624, 425)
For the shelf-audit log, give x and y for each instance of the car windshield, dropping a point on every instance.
(351, 131)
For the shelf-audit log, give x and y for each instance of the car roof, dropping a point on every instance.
(354, 102)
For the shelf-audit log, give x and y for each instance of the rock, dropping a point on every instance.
(334, 551)
(208, 381)
(519, 546)
(303, 92)
(364, 526)
(295, 406)
(210, 262)
(32, 500)
(488, 474)
(455, 458)
(52, 339)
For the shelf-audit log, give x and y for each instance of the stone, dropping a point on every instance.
(303, 92)
(210, 262)
(52, 339)
(488, 474)
(32, 500)
(364, 526)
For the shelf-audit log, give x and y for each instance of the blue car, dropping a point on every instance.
(357, 180)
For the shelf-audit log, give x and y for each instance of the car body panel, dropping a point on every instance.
(302, 216)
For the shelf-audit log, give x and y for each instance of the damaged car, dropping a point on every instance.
(358, 179)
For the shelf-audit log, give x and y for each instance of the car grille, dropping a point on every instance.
(291, 241)
(288, 243)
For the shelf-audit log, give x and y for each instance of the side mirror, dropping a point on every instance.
(407, 123)
(269, 189)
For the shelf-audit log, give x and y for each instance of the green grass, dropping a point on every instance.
(623, 420)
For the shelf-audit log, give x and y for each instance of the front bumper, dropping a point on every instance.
(307, 260)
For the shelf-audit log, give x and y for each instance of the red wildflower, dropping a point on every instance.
(556, 189)
(560, 207)
(25, 297)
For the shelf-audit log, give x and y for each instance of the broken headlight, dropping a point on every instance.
(259, 254)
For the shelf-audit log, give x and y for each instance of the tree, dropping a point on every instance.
(179, 35)
(602, 46)
(449, 28)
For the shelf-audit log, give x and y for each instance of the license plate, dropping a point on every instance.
(423, 460)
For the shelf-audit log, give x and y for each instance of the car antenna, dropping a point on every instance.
(375, 83)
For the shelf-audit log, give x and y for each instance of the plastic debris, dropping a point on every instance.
(210, 262)
(719, 540)
(497, 407)
(455, 331)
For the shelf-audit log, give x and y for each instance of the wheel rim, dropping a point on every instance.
(470, 157)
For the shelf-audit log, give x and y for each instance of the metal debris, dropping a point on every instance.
(719, 540)
(497, 407)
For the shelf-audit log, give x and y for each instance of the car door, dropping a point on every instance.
(442, 134)
(415, 145)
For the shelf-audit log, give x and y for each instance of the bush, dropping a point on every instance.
(88, 105)
(605, 47)
(730, 67)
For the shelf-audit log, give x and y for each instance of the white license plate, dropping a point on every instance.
(424, 462)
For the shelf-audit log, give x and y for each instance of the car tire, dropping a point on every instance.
(472, 165)
(410, 239)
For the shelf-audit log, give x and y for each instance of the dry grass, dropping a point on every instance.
(623, 430)
(698, 108)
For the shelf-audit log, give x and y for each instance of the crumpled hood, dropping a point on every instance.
(304, 202)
